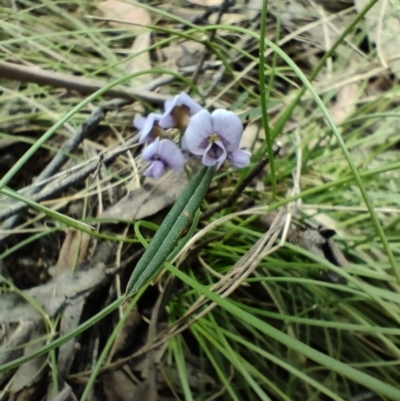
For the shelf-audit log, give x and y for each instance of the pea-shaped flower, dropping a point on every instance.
(149, 127)
(163, 154)
(178, 111)
(216, 137)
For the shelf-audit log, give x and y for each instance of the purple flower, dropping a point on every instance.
(149, 127)
(178, 111)
(239, 158)
(216, 136)
(162, 154)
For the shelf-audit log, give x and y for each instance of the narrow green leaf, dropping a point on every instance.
(176, 345)
(171, 230)
(68, 221)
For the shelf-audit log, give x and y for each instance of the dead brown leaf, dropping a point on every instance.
(73, 251)
(72, 254)
(183, 54)
(130, 325)
(65, 393)
(118, 386)
(69, 322)
(152, 197)
(134, 19)
(318, 241)
(52, 296)
(252, 137)
(141, 62)
(11, 338)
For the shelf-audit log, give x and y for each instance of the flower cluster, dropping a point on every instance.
(215, 137)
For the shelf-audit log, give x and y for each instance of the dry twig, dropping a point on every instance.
(85, 86)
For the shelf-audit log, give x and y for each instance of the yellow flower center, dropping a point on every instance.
(213, 138)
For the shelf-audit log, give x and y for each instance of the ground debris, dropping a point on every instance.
(149, 199)
(52, 297)
(318, 241)
(119, 386)
(31, 372)
(383, 27)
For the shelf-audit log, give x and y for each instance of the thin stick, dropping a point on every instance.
(85, 86)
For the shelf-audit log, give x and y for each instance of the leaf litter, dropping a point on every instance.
(137, 18)
(71, 278)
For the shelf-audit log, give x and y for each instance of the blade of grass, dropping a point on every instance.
(263, 97)
(177, 350)
(68, 221)
(362, 378)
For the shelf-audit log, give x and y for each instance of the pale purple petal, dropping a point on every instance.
(216, 136)
(214, 155)
(198, 131)
(170, 103)
(228, 127)
(171, 155)
(139, 122)
(155, 169)
(163, 154)
(167, 120)
(183, 143)
(151, 122)
(239, 158)
(151, 151)
(182, 100)
(186, 100)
